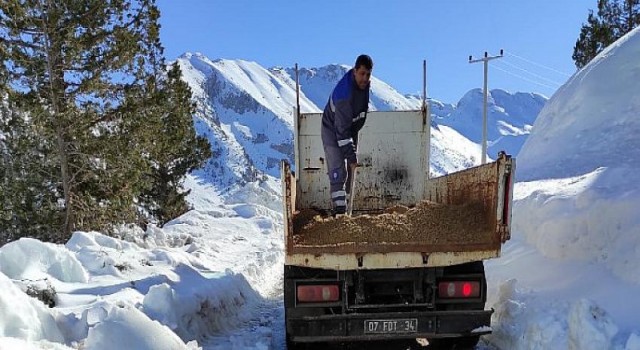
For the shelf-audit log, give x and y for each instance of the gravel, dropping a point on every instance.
(426, 223)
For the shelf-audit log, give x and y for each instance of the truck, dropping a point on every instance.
(408, 263)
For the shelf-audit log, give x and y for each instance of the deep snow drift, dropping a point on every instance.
(574, 260)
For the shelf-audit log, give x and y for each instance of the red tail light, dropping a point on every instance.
(318, 293)
(459, 289)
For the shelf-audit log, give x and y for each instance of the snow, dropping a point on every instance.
(633, 343)
(532, 321)
(246, 113)
(24, 317)
(189, 285)
(29, 258)
(128, 328)
(481, 329)
(568, 278)
(509, 118)
(451, 151)
(22, 344)
(592, 121)
(590, 218)
(212, 278)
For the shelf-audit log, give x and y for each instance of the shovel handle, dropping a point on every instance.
(353, 191)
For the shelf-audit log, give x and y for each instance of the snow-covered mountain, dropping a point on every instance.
(246, 111)
(317, 83)
(509, 118)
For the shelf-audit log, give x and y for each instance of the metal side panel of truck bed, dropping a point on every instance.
(394, 156)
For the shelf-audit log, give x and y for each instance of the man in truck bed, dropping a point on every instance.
(341, 121)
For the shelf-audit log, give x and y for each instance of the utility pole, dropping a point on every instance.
(486, 60)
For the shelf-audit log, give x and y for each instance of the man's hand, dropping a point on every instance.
(353, 167)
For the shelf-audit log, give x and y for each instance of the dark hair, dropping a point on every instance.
(364, 60)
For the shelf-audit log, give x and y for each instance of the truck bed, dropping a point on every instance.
(426, 227)
(463, 217)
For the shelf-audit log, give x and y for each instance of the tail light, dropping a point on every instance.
(318, 293)
(459, 289)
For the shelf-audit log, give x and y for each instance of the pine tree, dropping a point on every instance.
(104, 133)
(70, 64)
(167, 136)
(615, 18)
(27, 200)
(176, 149)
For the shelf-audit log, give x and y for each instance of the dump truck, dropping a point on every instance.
(408, 262)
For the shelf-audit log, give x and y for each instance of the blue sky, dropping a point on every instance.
(537, 36)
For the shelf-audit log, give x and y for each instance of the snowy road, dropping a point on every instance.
(266, 331)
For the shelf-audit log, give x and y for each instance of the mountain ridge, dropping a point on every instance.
(246, 111)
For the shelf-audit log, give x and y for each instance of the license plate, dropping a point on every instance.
(402, 325)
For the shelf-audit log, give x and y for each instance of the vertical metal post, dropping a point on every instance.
(486, 60)
(296, 131)
(484, 113)
(297, 92)
(427, 121)
(424, 85)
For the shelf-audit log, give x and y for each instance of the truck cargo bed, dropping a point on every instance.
(427, 227)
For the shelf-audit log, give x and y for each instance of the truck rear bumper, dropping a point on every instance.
(359, 327)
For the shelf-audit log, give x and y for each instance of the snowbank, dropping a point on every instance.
(15, 343)
(28, 258)
(24, 317)
(528, 321)
(575, 248)
(591, 121)
(590, 218)
(128, 328)
(200, 306)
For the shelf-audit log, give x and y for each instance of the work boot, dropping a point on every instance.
(340, 210)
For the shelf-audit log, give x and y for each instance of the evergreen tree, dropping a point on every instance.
(69, 64)
(28, 201)
(167, 137)
(615, 18)
(176, 149)
(97, 132)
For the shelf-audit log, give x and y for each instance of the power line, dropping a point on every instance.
(538, 64)
(523, 78)
(531, 73)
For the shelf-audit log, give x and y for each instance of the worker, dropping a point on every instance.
(343, 117)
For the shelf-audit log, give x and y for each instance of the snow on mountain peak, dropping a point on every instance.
(246, 111)
(509, 118)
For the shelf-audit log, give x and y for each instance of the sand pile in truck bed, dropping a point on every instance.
(426, 223)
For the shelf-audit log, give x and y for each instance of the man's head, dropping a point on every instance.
(362, 71)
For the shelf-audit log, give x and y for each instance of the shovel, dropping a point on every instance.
(352, 185)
